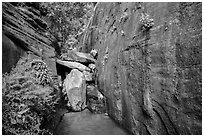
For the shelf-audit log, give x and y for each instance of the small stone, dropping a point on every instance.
(88, 76)
(92, 67)
(94, 52)
(122, 33)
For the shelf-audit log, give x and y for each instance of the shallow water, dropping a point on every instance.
(87, 123)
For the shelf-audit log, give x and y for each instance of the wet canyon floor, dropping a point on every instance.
(87, 123)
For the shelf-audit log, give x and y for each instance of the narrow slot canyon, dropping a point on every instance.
(101, 68)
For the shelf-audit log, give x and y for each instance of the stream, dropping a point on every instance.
(87, 123)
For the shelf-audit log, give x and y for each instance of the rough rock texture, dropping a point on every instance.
(73, 65)
(72, 55)
(75, 88)
(24, 27)
(95, 100)
(88, 76)
(151, 79)
(92, 67)
(11, 54)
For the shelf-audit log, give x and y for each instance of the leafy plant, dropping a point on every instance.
(67, 20)
(146, 22)
(40, 72)
(26, 103)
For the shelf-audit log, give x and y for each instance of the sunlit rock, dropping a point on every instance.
(88, 76)
(72, 55)
(75, 89)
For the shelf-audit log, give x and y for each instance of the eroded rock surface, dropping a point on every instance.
(72, 55)
(151, 79)
(24, 27)
(88, 76)
(11, 54)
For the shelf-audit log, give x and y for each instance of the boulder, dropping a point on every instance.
(88, 76)
(94, 53)
(87, 57)
(75, 89)
(73, 65)
(78, 57)
(92, 67)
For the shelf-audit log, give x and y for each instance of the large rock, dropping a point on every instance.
(75, 88)
(28, 32)
(152, 79)
(72, 55)
(74, 65)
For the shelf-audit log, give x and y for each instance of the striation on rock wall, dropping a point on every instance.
(24, 30)
(151, 79)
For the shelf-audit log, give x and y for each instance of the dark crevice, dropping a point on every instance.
(146, 128)
(161, 120)
(111, 25)
(166, 114)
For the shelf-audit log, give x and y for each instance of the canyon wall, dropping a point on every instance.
(151, 79)
(23, 30)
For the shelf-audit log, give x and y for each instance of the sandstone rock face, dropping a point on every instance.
(78, 56)
(151, 79)
(11, 54)
(25, 28)
(73, 65)
(75, 88)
